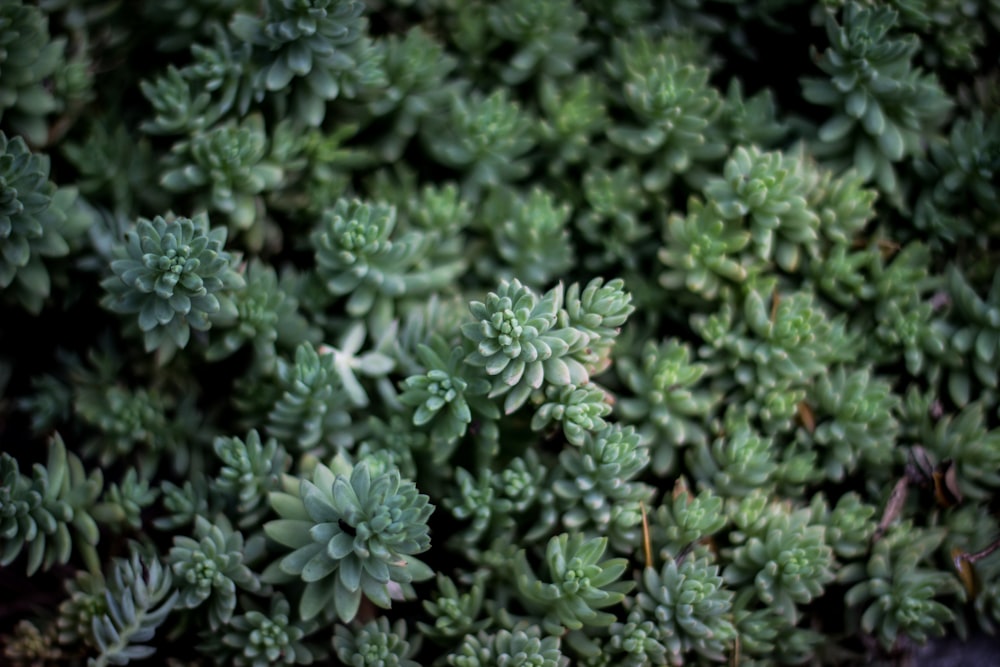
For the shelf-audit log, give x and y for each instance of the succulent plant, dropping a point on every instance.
(577, 584)
(210, 566)
(518, 343)
(175, 275)
(350, 536)
(689, 605)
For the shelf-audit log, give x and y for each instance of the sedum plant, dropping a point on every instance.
(581, 583)
(209, 567)
(515, 648)
(689, 606)
(375, 643)
(175, 275)
(38, 512)
(229, 161)
(355, 256)
(699, 360)
(31, 57)
(349, 536)
(519, 345)
(261, 638)
(312, 51)
(898, 596)
(764, 190)
(882, 104)
(37, 221)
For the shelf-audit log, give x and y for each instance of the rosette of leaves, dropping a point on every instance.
(37, 221)
(321, 42)
(959, 171)
(898, 594)
(600, 310)
(250, 470)
(610, 220)
(85, 602)
(475, 499)
(842, 203)
(417, 68)
(508, 648)
(690, 606)
(266, 315)
(434, 317)
(486, 138)
(530, 235)
(209, 567)
(545, 37)
(786, 559)
(673, 106)
(842, 275)
(49, 405)
(685, 519)
(310, 411)
(195, 97)
(112, 163)
(501, 503)
(441, 209)
(125, 419)
(468, 30)
(576, 585)
(266, 638)
(883, 106)
(765, 191)
(225, 70)
(849, 525)
(29, 59)
(906, 314)
(665, 401)
(750, 120)
(444, 397)
(977, 334)
(952, 36)
(349, 536)
(175, 275)
(520, 487)
(854, 422)
(580, 410)
(230, 161)
(356, 254)
(634, 643)
(49, 513)
(703, 253)
(455, 613)
(178, 108)
(781, 338)
(737, 461)
(574, 113)
(123, 502)
(184, 503)
(599, 475)
(516, 340)
(375, 644)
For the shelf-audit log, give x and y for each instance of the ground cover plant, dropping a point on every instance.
(513, 332)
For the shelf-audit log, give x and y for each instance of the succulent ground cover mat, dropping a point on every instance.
(515, 333)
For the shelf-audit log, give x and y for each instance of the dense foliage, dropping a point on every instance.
(497, 332)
